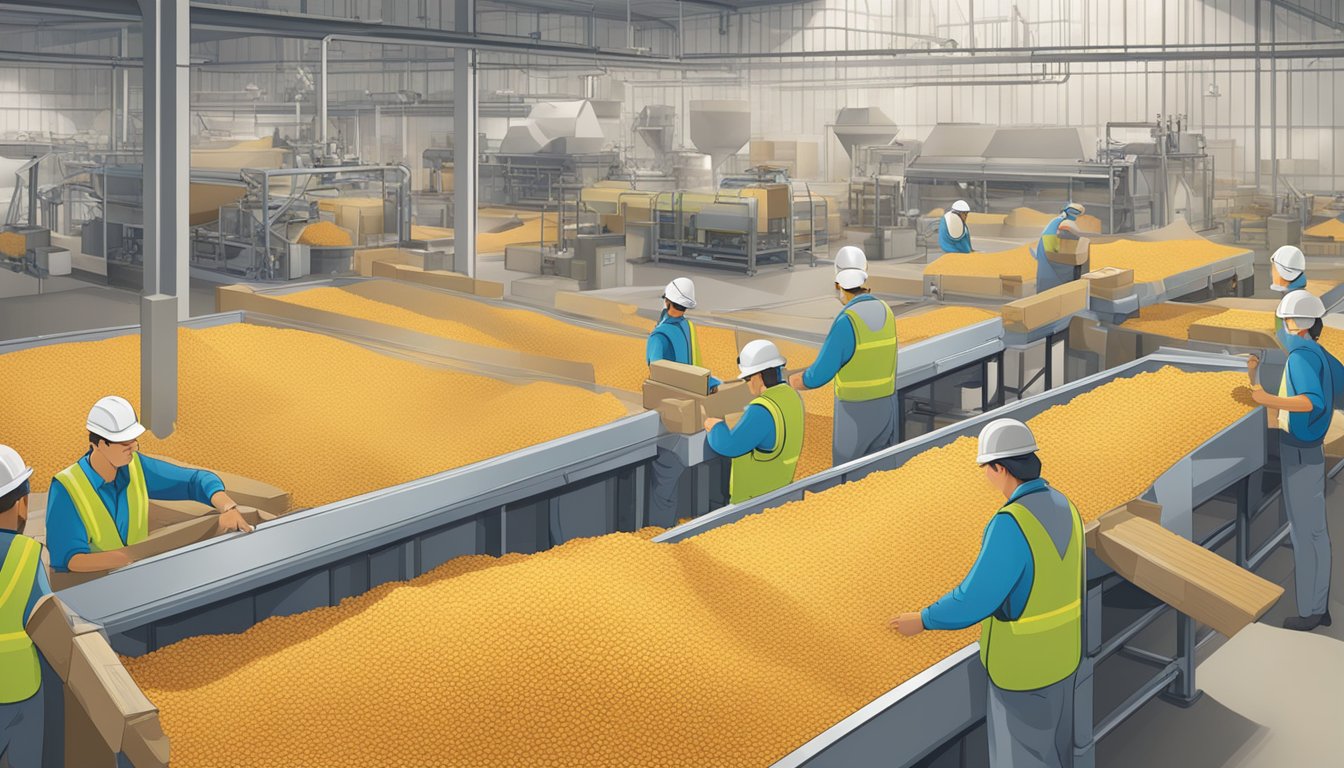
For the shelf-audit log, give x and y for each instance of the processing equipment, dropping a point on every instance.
(1129, 186)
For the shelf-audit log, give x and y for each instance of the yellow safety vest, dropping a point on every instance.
(757, 472)
(871, 373)
(693, 342)
(97, 518)
(20, 669)
(1044, 644)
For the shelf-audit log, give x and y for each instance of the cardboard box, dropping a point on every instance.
(1110, 277)
(144, 742)
(1071, 252)
(1032, 312)
(691, 378)
(53, 628)
(105, 690)
(889, 285)
(1191, 579)
(1111, 294)
(732, 397)
(679, 415)
(1013, 286)
(163, 540)
(166, 513)
(83, 744)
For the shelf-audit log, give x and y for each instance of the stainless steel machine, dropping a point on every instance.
(1128, 185)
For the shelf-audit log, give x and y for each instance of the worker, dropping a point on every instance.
(100, 504)
(859, 353)
(1025, 590)
(1049, 274)
(766, 442)
(23, 582)
(1312, 384)
(1288, 269)
(953, 235)
(673, 338)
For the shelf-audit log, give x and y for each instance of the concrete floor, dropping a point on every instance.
(1272, 697)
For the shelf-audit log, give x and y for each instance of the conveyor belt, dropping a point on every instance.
(935, 707)
(1240, 266)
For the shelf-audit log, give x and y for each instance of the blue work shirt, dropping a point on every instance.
(66, 536)
(950, 244)
(1048, 274)
(837, 350)
(754, 431)
(40, 586)
(670, 340)
(1316, 374)
(1001, 577)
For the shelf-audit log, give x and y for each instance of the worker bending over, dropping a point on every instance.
(100, 504)
(23, 582)
(860, 355)
(953, 234)
(1049, 274)
(1288, 269)
(766, 442)
(1025, 590)
(1313, 382)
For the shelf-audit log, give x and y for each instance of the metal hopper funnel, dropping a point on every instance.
(720, 128)
(862, 127)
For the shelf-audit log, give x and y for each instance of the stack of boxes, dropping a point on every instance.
(680, 394)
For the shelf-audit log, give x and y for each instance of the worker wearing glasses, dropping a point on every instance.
(100, 504)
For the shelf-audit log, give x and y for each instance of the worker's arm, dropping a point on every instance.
(168, 481)
(756, 429)
(835, 352)
(1003, 561)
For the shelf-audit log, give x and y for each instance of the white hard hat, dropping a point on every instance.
(681, 292)
(1005, 438)
(114, 419)
(1078, 208)
(1300, 305)
(1290, 261)
(12, 470)
(851, 267)
(757, 356)
(961, 206)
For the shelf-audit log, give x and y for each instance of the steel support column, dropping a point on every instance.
(465, 150)
(167, 83)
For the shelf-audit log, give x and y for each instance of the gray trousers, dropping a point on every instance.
(1031, 728)
(667, 469)
(1304, 502)
(862, 428)
(21, 732)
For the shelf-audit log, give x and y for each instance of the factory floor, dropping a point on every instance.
(1272, 697)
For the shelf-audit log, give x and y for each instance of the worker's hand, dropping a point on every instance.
(796, 381)
(714, 389)
(908, 624)
(1252, 365)
(709, 423)
(232, 520)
